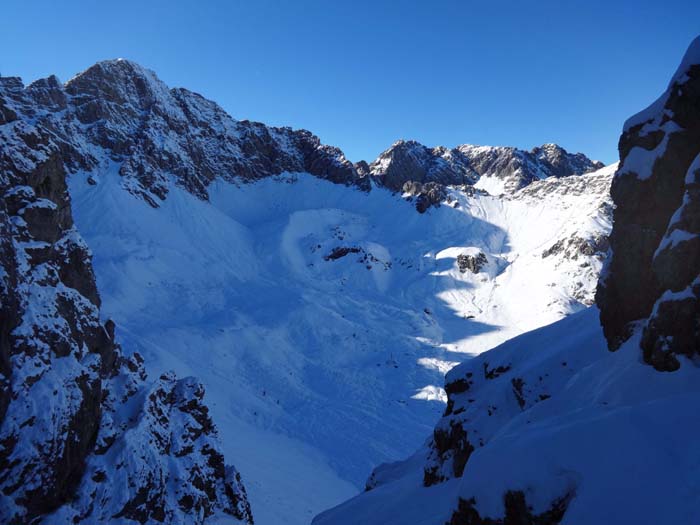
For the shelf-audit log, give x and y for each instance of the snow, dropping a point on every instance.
(693, 175)
(492, 184)
(612, 424)
(641, 161)
(318, 369)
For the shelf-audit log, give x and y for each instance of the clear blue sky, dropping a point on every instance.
(363, 74)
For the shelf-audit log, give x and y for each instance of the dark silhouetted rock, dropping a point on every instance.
(426, 195)
(472, 262)
(653, 274)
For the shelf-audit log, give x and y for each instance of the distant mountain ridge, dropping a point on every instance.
(407, 161)
(157, 133)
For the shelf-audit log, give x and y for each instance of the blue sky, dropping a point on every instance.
(364, 74)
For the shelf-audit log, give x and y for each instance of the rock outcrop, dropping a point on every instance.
(653, 274)
(426, 195)
(471, 262)
(84, 437)
(410, 161)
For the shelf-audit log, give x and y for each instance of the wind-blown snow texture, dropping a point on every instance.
(319, 309)
(552, 427)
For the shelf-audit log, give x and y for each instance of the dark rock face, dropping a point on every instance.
(341, 251)
(451, 445)
(516, 511)
(42, 451)
(426, 195)
(574, 247)
(174, 426)
(472, 263)
(119, 110)
(69, 416)
(365, 257)
(362, 168)
(654, 271)
(409, 161)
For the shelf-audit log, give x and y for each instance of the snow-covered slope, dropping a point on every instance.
(319, 311)
(551, 423)
(321, 318)
(575, 422)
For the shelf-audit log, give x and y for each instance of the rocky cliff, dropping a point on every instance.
(653, 274)
(84, 436)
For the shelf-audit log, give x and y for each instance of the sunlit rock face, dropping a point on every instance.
(511, 168)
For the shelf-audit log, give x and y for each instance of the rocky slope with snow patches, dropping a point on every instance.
(319, 309)
(84, 436)
(497, 169)
(575, 422)
(119, 110)
(654, 270)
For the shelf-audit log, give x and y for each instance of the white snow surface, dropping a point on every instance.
(318, 367)
(615, 433)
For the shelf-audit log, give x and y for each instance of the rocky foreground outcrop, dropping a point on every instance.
(84, 436)
(653, 275)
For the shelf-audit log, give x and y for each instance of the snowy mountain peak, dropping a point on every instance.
(119, 81)
(497, 169)
(119, 111)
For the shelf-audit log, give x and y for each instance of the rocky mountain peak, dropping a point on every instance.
(409, 161)
(119, 81)
(117, 111)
